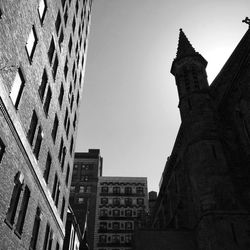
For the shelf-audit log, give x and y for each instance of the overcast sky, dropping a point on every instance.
(129, 108)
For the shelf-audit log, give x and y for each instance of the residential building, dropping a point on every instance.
(83, 190)
(121, 202)
(43, 47)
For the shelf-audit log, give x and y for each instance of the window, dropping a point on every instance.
(50, 239)
(74, 24)
(57, 194)
(72, 189)
(80, 200)
(68, 126)
(66, 118)
(128, 190)
(140, 213)
(46, 237)
(80, 79)
(38, 143)
(140, 201)
(65, 16)
(102, 238)
(72, 102)
(70, 91)
(32, 128)
(63, 157)
(35, 230)
(47, 101)
(116, 225)
(84, 178)
(43, 85)
(70, 45)
(18, 180)
(55, 128)
(1, 13)
(66, 68)
(31, 135)
(55, 66)
(31, 43)
(51, 50)
(22, 212)
(42, 10)
(17, 88)
(139, 190)
(116, 190)
(81, 189)
(88, 190)
(76, 49)
(2, 149)
(74, 122)
(55, 186)
(60, 98)
(103, 225)
(62, 209)
(83, 60)
(58, 22)
(47, 168)
(71, 145)
(67, 175)
(128, 201)
(128, 213)
(77, 99)
(73, 69)
(60, 150)
(128, 239)
(128, 225)
(105, 190)
(116, 201)
(104, 201)
(116, 238)
(61, 37)
(103, 212)
(116, 212)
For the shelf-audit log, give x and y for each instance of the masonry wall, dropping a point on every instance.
(39, 81)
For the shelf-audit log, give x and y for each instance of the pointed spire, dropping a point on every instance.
(184, 46)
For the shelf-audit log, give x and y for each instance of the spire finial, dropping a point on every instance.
(184, 47)
(247, 21)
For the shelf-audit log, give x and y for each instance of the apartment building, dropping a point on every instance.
(121, 203)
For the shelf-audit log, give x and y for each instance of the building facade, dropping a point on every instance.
(73, 235)
(205, 188)
(42, 56)
(121, 203)
(83, 190)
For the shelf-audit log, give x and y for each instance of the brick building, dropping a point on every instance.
(205, 188)
(42, 58)
(73, 235)
(121, 201)
(83, 190)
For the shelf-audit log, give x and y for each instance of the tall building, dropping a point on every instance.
(83, 190)
(121, 202)
(205, 188)
(43, 52)
(73, 235)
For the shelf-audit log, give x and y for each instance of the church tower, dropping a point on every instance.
(189, 69)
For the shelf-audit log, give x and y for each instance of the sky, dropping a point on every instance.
(129, 108)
